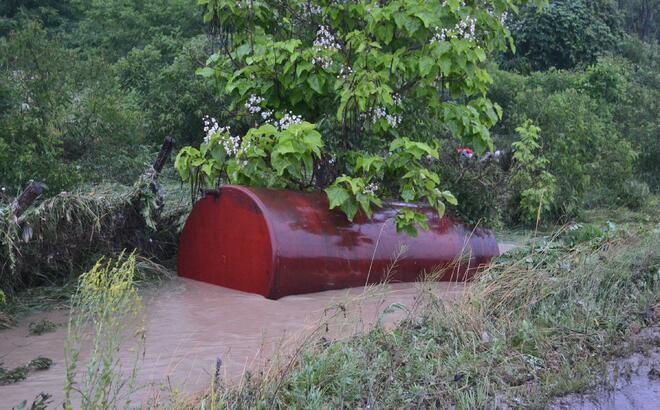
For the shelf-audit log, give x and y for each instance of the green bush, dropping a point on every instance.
(37, 88)
(479, 186)
(580, 137)
(532, 187)
(635, 194)
(564, 34)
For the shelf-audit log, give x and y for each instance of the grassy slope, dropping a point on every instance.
(541, 323)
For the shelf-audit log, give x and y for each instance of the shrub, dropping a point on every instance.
(532, 186)
(588, 157)
(564, 34)
(635, 194)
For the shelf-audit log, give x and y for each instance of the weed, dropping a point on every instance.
(107, 302)
(40, 402)
(537, 324)
(21, 372)
(41, 327)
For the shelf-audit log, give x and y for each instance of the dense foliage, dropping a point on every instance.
(350, 68)
(398, 91)
(88, 88)
(564, 34)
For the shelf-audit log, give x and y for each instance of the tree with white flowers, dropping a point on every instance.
(351, 80)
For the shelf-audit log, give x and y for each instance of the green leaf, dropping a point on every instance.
(441, 209)
(205, 72)
(449, 197)
(426, 63)
(336, 196)
(315, 83)
(350, 208)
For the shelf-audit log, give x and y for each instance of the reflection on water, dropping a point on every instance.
(190, 324)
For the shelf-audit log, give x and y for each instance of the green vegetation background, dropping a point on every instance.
(88, 89)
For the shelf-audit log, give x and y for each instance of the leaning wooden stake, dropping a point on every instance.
(26, 198)
(164, 154)
(161, 160)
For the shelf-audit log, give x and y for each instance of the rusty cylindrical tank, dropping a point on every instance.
(279, 242)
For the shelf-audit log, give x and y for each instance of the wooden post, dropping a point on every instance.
(164, 154)
(27, 197)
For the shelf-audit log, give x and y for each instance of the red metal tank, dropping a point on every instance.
(279, 242)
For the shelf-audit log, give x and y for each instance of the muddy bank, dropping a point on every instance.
(190, 324)
(633, 383)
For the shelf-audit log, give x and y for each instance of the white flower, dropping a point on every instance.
(465, 28)
(371, 188)
(253, 104)
(289, 119)
(325, 39)
(392, 119)
(211, 128)
(266, 115)
(344, 72)
(309, 10)
(231, 144)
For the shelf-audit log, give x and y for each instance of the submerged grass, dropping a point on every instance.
(537, 324)
(17, 374)
(58, 296)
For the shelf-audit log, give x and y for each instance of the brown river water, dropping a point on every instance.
(190, 324)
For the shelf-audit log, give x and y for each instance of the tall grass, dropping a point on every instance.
(105, 316)
(537, 324)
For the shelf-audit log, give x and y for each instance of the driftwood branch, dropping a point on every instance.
(26, 198)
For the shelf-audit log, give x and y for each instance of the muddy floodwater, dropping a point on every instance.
(189, 325)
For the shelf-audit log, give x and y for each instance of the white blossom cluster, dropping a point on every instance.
(289, 119)
(392, 119)
(503, 17)
(323, 61)
(253, 104)
(231, 144)
(248, 3)
(397, 99)
(463, 29)
(466, 28)
(325, 40)
(309, 9)
(344, 72)
(371, 188)
(211, 127)
(444, 3)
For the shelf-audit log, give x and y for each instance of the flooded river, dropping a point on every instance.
(189, 325)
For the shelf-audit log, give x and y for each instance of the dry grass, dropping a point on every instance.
(65, 234)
